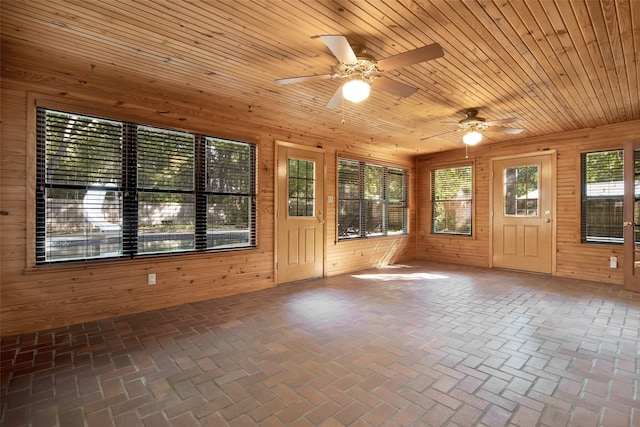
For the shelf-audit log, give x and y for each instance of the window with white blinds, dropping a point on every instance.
(111, 189)
(372, 200)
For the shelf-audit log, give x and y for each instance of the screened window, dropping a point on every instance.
(452, 200)
(602, 197)
(371, 200)
(109, 189)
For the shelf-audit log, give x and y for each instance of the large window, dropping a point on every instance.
(109, 189)
(371, 200)
(451, 200)
(602, 197)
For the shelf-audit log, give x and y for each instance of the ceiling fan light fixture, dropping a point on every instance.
(356, 90)
(472, 138)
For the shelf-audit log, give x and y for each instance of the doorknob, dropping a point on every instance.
(627, 223)
(547, 220)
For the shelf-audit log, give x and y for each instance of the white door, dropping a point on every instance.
(523, 226)
(300, 214)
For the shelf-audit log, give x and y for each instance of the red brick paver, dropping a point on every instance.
(421, 345)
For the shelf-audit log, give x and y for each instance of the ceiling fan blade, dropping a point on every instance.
(341, 49)
(439, 134)
(422, 54)
(394, 87)
(511, 131)
(336, 99)
(503, 121)
(290, 80)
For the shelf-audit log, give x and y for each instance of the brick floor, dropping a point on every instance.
(420, 345)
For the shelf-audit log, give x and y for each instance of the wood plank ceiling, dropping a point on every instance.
(558, 65)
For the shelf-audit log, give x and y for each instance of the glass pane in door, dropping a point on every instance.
(302, 187)
(521, 191)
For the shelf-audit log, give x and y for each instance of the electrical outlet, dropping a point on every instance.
(613, 262)
(151, 279)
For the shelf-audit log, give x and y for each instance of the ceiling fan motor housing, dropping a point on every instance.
(471, 122)
(364, 69)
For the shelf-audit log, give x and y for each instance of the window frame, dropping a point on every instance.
(129, 234)
(432, 217)
(584, 199)
(360, 231)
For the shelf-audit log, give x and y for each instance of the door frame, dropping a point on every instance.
(554, 205)
(630, 280)
(279, 145)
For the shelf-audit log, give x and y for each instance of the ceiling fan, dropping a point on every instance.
(473, 127)
(360, 71)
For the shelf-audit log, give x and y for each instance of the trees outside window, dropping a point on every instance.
(602, 196)
(108, 189)
(451, 200)
(371, 200)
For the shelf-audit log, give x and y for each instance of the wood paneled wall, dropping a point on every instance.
(573, 258)
(36, 298)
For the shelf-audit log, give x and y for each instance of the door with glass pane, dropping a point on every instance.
(523, 226)
(632, 216)
(300, 214)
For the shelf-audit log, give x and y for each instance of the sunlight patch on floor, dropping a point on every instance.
(399, 276)
(316, 304)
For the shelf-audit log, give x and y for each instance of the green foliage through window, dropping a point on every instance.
(521, 191)
(452, 198)
(602, 196)
(110, 189)
(302, 187)
(372, 200)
